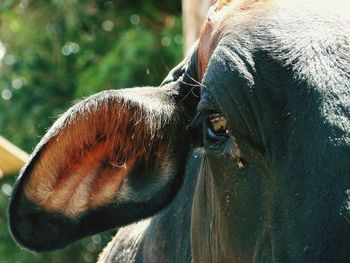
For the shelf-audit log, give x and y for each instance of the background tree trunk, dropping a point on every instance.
(194, 13)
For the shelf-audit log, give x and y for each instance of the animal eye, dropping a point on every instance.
(217, 126)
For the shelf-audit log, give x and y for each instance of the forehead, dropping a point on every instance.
(222, 18)
(305, 38)
(272, 21)
(273, 50)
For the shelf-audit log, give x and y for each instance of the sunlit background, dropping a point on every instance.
(54, 52)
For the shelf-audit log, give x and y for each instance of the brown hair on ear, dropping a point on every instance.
(93, 148)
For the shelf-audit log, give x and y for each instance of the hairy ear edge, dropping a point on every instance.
(84, 164)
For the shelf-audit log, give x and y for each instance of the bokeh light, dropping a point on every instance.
(107, 25)
(70, 48)
(166, 41)
(6, 94)
(135, 19)
(9, 60)
(17, 83)
(6, 189)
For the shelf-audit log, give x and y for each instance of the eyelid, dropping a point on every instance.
(197, 120)
(206, 104)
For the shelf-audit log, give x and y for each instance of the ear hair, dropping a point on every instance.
(93, 147)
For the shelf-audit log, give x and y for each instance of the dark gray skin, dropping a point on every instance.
(287, 101)
(277, 187)
(146, 242)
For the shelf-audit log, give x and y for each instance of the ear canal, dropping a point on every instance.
(118, 152)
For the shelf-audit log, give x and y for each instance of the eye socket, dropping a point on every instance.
(217, 126)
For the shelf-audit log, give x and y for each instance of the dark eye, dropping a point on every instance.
(217, 126)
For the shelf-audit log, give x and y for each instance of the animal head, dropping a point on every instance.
(265, 93)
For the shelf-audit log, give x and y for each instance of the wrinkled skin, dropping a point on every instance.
(275, 188)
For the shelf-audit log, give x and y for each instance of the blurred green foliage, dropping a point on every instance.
(53, 52)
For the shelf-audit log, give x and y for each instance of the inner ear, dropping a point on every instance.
(93, 148)
(110, 160)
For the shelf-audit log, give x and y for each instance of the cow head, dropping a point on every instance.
(273, 117)
(275, 106)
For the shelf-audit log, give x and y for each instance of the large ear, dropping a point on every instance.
(111, 159)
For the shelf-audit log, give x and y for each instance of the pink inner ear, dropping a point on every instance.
(80, 169)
